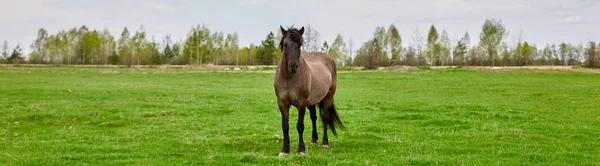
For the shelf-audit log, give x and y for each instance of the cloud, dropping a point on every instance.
(573, 19)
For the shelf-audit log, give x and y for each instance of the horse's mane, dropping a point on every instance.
(294, 35)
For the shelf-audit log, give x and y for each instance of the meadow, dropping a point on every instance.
(154, 116)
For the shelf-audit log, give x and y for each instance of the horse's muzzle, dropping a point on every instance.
(292, 67)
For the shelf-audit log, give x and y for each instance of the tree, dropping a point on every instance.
(411, 57)
(124, 48)
(351, 56)
(475, 55)
(325, 47)
(527, 53)
(139, 45)
(555, 55)
(382, 38)
(232, 48)
(445, 47)
(80, 45)
(337, 50)
(547, 55)
(460, 51)
(5, 50)
(492, 33)
(191, 47)
(156, 57)
(16, 56)
(432, 43)
(39, 52)
(592, 55)
(311, 39)
(505, 54)
(91, 43)
(265, 53)
(580, 53)
(176, 59)
(53, 45)
(571, 55)
(437, 51)
(168, 52)
(395, 44)
(217, 47)
(251, 52)
(107, 48)
(467, 39)
(69, 40)
(199, 45)
(518, 55)
(370, 56)
(564, 53)
(417, 40)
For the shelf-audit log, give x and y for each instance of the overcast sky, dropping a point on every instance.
(540, 21)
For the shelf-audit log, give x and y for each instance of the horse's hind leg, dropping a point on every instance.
(313, 118)
(325, 138)
(327, 104)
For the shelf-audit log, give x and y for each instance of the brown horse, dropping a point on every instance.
(305, 82)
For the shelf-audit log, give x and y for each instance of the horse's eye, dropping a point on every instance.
(285, 45)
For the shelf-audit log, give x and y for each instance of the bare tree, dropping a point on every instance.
(311, 39)
(446, 48)
(417, 39)
(350, 51)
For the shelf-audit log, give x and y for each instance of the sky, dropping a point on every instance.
(536, 21)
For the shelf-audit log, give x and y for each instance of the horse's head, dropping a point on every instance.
(290, 44)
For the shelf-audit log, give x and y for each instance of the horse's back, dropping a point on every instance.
(320, 61)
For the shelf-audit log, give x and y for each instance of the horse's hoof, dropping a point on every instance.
(325, 146)
(300, 153)
(282, 154)
(314, 142)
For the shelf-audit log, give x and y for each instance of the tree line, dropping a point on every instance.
(204, 46)
(385, 49)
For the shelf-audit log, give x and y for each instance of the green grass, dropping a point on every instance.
(120, 116)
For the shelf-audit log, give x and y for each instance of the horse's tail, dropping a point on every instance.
(331, 118)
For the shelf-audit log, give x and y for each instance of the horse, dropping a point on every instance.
(305, 81)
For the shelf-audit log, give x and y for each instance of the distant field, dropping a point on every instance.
(179, 116)
(210, 67)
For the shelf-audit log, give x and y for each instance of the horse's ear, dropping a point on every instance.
(302, 30)
(283, 31)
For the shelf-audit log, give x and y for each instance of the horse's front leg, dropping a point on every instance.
(300, 128)
(284, 109)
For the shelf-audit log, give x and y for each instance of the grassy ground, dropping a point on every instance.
(107, 116)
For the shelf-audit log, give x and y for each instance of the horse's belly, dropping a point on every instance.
(319, 90)
(315, 98)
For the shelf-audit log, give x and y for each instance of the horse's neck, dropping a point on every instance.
(303, 65)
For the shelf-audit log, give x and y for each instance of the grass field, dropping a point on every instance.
(108, 116)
